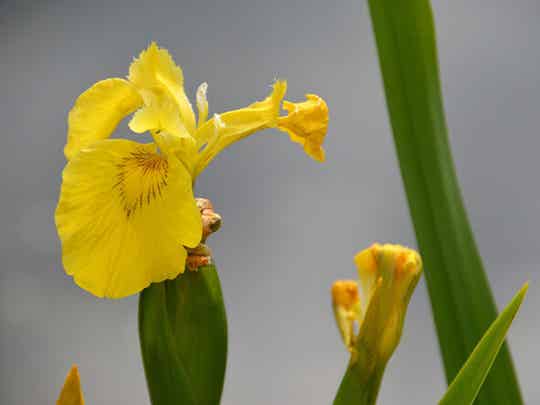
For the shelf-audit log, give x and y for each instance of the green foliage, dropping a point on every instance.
(466, 385)
(183, 334)
(462, 303)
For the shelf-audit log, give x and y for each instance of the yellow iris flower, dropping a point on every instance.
(126, 210)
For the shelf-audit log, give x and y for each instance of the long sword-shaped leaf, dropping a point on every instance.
(183, 333)
(462, 303)
(467, 383)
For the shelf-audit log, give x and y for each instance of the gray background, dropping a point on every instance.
(291, 225)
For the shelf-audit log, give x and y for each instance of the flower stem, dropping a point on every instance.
(360, 385)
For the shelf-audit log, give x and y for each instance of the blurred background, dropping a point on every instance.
(291, 226)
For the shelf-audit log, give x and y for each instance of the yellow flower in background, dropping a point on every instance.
(370, 312)
(126, 211)
(71, 393)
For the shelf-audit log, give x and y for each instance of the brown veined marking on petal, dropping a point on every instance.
(141, 178)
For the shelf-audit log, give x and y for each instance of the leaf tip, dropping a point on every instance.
(523, 291)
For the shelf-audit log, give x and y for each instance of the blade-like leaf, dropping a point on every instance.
(462, 303)
(183, 334)
(467, 383)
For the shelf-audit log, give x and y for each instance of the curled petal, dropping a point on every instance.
(124, 216)
(155, 74)
(156, 118)
(98, 111)
(306, 124)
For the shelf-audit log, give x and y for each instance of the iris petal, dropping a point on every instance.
(306, 123)
(124, 216)
(155, 74)
(98, 111)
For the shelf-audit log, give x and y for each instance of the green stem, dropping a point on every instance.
(360, 385)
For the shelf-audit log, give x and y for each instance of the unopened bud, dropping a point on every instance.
(211, 221)
(388, 275)
(201, 255)
(71, 393)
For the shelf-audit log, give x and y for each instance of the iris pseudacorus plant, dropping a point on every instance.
(126, 212)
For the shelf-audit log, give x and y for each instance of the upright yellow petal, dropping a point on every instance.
(155, 73)
(98, 111)
(306, 124)
(237, 124)
(71, 393)
(366, 263)
(124, 216)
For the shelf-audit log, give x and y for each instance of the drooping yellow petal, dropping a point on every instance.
(155, 74)
(306, 124)
(202, 103)
(238, 124)
(98, 111)
(124, 216)
(71, 393)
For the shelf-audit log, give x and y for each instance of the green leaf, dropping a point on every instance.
(461, 299)
(466, 385)
(183, 334)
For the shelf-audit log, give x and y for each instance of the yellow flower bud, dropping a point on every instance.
(388, 275)
(306, 124)
(71, 393)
